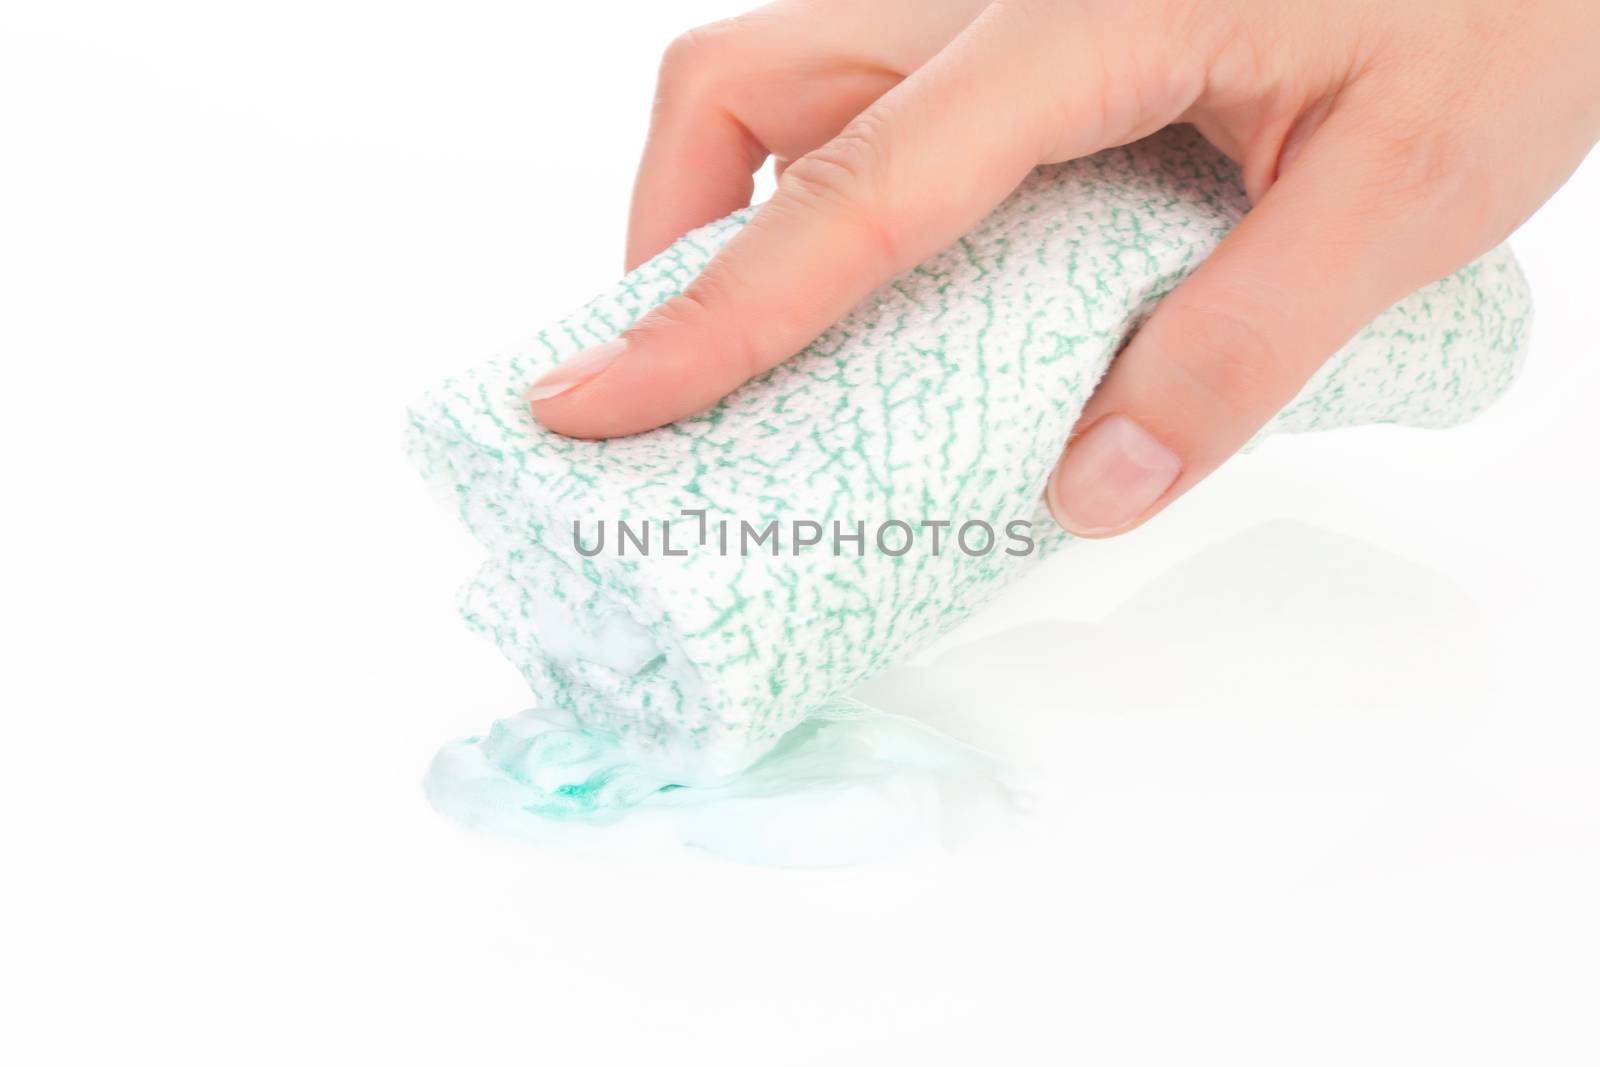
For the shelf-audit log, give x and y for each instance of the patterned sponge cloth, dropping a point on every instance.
(740, 602)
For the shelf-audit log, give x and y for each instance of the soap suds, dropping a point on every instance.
(613, 641)
(848, 785)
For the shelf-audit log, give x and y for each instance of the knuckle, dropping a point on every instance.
(693, 317)
(840, 173)
(696, 58)
(1228, 359)
(687, 312)
(1412, 166)
(844, 179)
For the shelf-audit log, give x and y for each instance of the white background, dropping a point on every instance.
(1323, 739)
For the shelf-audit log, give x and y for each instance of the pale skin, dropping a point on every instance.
(1383, 143)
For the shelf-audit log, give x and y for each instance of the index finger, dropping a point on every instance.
(905, 179)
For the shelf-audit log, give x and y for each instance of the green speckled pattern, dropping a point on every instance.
(945, 395)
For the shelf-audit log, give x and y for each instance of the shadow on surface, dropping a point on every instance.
(1281, 618)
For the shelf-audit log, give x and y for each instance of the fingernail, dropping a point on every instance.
(574, 371)
(1110, 476)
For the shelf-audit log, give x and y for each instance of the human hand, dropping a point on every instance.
(1382, 144)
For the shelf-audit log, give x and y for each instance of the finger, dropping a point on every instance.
(779, 81)
(876, 200)
(1337, 240)
(699, 159)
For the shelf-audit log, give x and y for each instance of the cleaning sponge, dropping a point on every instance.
(679, 652)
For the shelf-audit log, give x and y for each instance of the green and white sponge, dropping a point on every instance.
(944, 396)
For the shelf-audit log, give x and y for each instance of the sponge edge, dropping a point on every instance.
(1434, 360)
(945, 396)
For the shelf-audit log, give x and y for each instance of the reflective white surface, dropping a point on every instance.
(1317, 750)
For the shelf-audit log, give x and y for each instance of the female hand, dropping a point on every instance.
(1383, 145)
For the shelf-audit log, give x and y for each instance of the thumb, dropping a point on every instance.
(905, 179)
(1349, 229)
